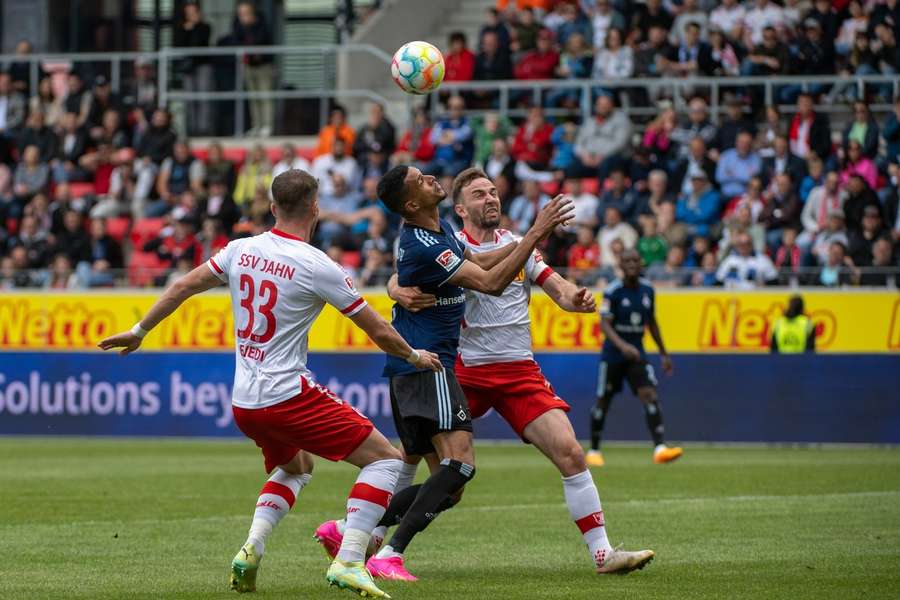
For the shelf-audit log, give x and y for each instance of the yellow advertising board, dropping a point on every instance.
(691, 321)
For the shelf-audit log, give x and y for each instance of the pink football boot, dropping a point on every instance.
(330, 537)
(389, 568)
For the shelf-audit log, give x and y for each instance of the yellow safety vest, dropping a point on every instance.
(791, 334)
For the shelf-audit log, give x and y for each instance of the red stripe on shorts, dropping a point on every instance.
(364, 491)
(592, 521)
(278, 489)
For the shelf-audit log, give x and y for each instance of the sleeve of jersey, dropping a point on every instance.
(335, 287)
(436, 264)
(606, 305)
(219, 263)
(538, 271)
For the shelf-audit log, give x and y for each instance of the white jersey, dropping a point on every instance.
(279, 284)
(497, 329)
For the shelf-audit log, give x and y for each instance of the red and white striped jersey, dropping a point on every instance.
(279, 284)
(497, 328)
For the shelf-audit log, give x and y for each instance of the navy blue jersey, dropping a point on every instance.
(630, 309)
(427, 259)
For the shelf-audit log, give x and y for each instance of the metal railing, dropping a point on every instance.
(117, 65)
(83, 278)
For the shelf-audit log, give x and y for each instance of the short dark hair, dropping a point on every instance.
(392, 188)
(458, 36)
(465, 178)
(294, 192)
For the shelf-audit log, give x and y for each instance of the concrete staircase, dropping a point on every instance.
(469, 19)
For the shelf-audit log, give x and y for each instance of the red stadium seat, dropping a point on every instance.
(274, 154)
(80, 189)
(145, 230)
(590, 185)
(200, 153)
(549, 187)
(117, 227)
(235, 155)
(309, 153)
(351, 259)
(143, 267)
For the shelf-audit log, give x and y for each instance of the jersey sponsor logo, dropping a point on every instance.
(451, 301)
(447, 259)
(636, 318)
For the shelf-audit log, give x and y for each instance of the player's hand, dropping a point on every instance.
(428, 360)
(413, 299)
(631, 353)
(583, 301)
(558, 211)
(126, 340)
(667, 366)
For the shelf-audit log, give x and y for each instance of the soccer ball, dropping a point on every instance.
(418, 68)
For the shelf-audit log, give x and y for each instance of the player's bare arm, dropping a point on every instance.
(491, 258)
(494, 281)
(656, 334)
(569, 296)
(629, 351)
(386, 337)
(197, 281)
(412, 298)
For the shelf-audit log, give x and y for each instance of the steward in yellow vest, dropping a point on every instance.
(794, 332)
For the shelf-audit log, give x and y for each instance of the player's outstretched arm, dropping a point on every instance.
(488, 260)
(656, 334)
(197, 281)
(569, 296)
(386, 337)
(494, 281)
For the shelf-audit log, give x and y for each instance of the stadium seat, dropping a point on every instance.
(145, 230)
(80, 189)
(143, 268)
(117, 227)
(200, 153)
(590, 185)
(351, 259)
(274, 153)
(235, 155)
(309, 153)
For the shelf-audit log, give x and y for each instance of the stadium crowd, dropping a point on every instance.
(92, 181)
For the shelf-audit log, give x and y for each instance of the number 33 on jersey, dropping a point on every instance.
(279, 284)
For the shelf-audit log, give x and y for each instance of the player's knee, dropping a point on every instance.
(570, 459)
(647, 395)
(388, 452)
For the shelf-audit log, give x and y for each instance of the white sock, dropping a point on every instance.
(659, 447)
(584, 507)
(368, 500)
(388, 552)
(406, 478)
(275, 501)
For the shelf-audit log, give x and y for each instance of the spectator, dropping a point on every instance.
(77, 99)
(822, 202)
(646, 16)
(31, 176)
(123, 197)
(73, 241)
(698, 125)
(459, 61)
(789, 256)
(415, 146)
(575, 62)
(563, 139)
(16, 271)
(864, 130)
(729, 18)
(376, 136)
(525, 207)
(742, 222)
(37, 134)
(572, 22)
(656, 194)
(768, 57)
(603, 18)
(541, 62)
(142, 93)
(218, 168)
(674, 232)
(619, 194)
(861, 241)
(249, 29)
(615, 60)
(699, 209)
(815, 177)
(835, 231)
(338, 162)
(891, 133)
(652, 247)
(614, 228)
(657, 138)
(652, 56)
(783, 161)
(45, 101)
(670, 272)
(452, 139)
(745, 269)
(492, 63)
(61, 276)
(700, 245)
(105, 256)
(882, 260)
(887, 57)
(764, 15)
(697, 159)
(12, 108)
(602, 142)
(337, 129)
(500, 162)
(587, 206)
(705, 276)
(532, 143)
(376, 269)
(111, 131)
(289, 160)
(158, 142)
(690, 14)
(856, 163)
(196, 71)
(525, 31)
(782, 210)
(861, 60)
(857, 22)
(772, 127)
(737, 166)
(220, 206)
(34, 240)
(734, 122)
(884, 13)
(20, 70)
(859, 196)
(487, 129)
(102, 100)
(812, 55)
(256, 174)
(181, 243)
(838, 269)
(584, 256)
(495, 26)
(721, 58)
(684, 59)
(180, 172)
(809, 131)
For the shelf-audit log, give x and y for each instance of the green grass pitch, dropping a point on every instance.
(112, 519)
